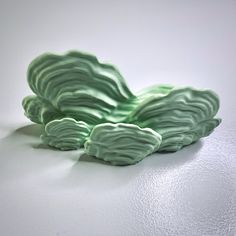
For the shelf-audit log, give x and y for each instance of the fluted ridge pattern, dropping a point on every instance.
(66, 134)
(77, 85)
(39, 110)
(181, 116)
(121, 144)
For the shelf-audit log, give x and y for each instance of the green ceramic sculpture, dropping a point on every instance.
(84, 103)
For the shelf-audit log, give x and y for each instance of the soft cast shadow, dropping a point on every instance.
(71, 170)
(163, 159)
(75, 169)
(91, 174)
(87, 158)
(33, 130)
(174, 159)
(157, 160)
(100, 175)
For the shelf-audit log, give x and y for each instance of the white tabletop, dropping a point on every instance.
(44, 192)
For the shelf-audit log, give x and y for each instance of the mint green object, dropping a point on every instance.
(73, 85)
(39, 110)
(66, 133)
(180, 115)
(77, 99)
(121, 144)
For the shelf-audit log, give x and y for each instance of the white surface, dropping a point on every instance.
(192, 192)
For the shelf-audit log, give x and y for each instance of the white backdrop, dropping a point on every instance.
(192, 192)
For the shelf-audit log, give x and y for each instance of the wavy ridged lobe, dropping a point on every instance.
(66, 134)
(77, 85)
(39, 111)
(123, 110)
(181, 116)
(121, 144)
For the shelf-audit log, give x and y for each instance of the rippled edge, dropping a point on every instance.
(184, 129)
(66, 134)
(74, 54)
(113, 78)
(137, 143)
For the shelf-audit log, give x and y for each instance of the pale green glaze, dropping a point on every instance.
(66, 133)
(39, 110)
(122, 111)
(75, 85)
(75, 93)
(121, 144)
(180, 115)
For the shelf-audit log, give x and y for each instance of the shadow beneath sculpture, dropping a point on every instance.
(74, 169)
(33, 130)
(161, 159)
(173, 159)
(87, 158)
(86, 171)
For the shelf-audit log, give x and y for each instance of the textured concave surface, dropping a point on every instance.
(40, 111)
(121, 144)
(121, 113)
(181, 116)
(66, 134)
(76, 85)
